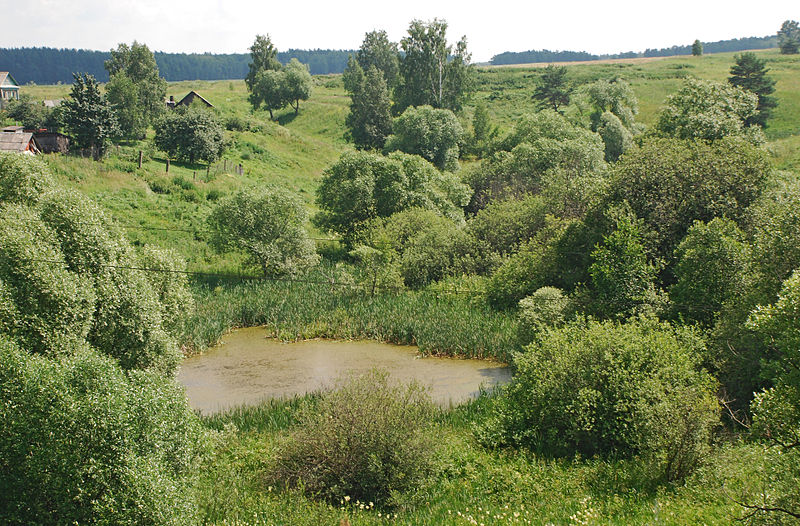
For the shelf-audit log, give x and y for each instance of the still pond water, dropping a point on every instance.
(248, 367)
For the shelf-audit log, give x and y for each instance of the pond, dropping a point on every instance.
(248, 367)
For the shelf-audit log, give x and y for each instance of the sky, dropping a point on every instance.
(230, 26)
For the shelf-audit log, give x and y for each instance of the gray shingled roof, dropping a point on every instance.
(15, 142)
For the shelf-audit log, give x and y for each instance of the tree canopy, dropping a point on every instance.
(191, 135)
(263, 57)
(789, 37)
(88, 117)
(433, 134)
(750, 73)
(553, 90)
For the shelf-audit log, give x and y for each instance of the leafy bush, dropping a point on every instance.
(544, 308)
(366, 440)
(22, 178)
(608, 388)
(84, 443)
(267, 224)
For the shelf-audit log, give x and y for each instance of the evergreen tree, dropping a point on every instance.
(370, 119)
(750, 73)
(697, 48)
(553, 90)
(789, 37)
(88, 117)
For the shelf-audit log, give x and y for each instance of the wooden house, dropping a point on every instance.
(18, 142)
(190, 98)
(9, 89)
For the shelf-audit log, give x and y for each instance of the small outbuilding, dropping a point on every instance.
(51, 142)
(18, 143)
(9, 89)
(188, 100)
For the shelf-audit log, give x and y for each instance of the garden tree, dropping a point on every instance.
(432, 73)
(789, 37)
(750, 73)
(190, 135)
(31, 114)
(135, 90)
(671, 183)
(267, 224)
(622, 277)
(708, 110)
(296, 84)
(377, 51)
(553, 90)
(710, 268)
(88, 117)
(105, 446)
(433, 134)
(361, 186)
(540, 146)
(263, 57)
(776, 411)
(370, 120)
(612, 389)
(697, 48)
(268, 91)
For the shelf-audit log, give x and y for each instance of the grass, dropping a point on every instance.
(471, 485)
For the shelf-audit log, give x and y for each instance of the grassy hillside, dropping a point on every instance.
(294, 151)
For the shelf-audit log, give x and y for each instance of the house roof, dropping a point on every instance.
(191, 96)
(16, 142)
(6, 80)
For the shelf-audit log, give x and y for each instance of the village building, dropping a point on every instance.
(18, 142)
(9, 89)
(188, 100)
(51, 142)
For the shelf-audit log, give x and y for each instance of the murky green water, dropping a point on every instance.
(247, 367)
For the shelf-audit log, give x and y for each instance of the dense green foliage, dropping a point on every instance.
(361, 186)
(369, 122)
(268, 225)
(366, 440)
(85, 443)
(697, 48)
(87, 116)
(432, 73)
(32, 114)
(750, 73)
(190, 135)
(135, 90)
(553, 90)
(789, 37)
(603, 388)
(433, 134)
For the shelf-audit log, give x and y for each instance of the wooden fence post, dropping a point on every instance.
(167, 165)
(140, 159)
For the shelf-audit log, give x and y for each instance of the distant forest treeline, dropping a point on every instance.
(736, 44)
(44, 65)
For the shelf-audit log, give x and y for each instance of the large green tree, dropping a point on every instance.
(191, 135)
(432, 72)
(750, 73)
(697, 48)
(376, 50)
(296, 83)
(708, 110)
(263, 57)
(88, 117)
(433, 134)
(370, 119)
(553, 90)
(135, 89)
(789, 37)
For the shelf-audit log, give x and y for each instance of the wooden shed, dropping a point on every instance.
(51, 142)
(9, 89)
(18, 143)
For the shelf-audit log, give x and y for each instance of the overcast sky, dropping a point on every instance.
(229, 26)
